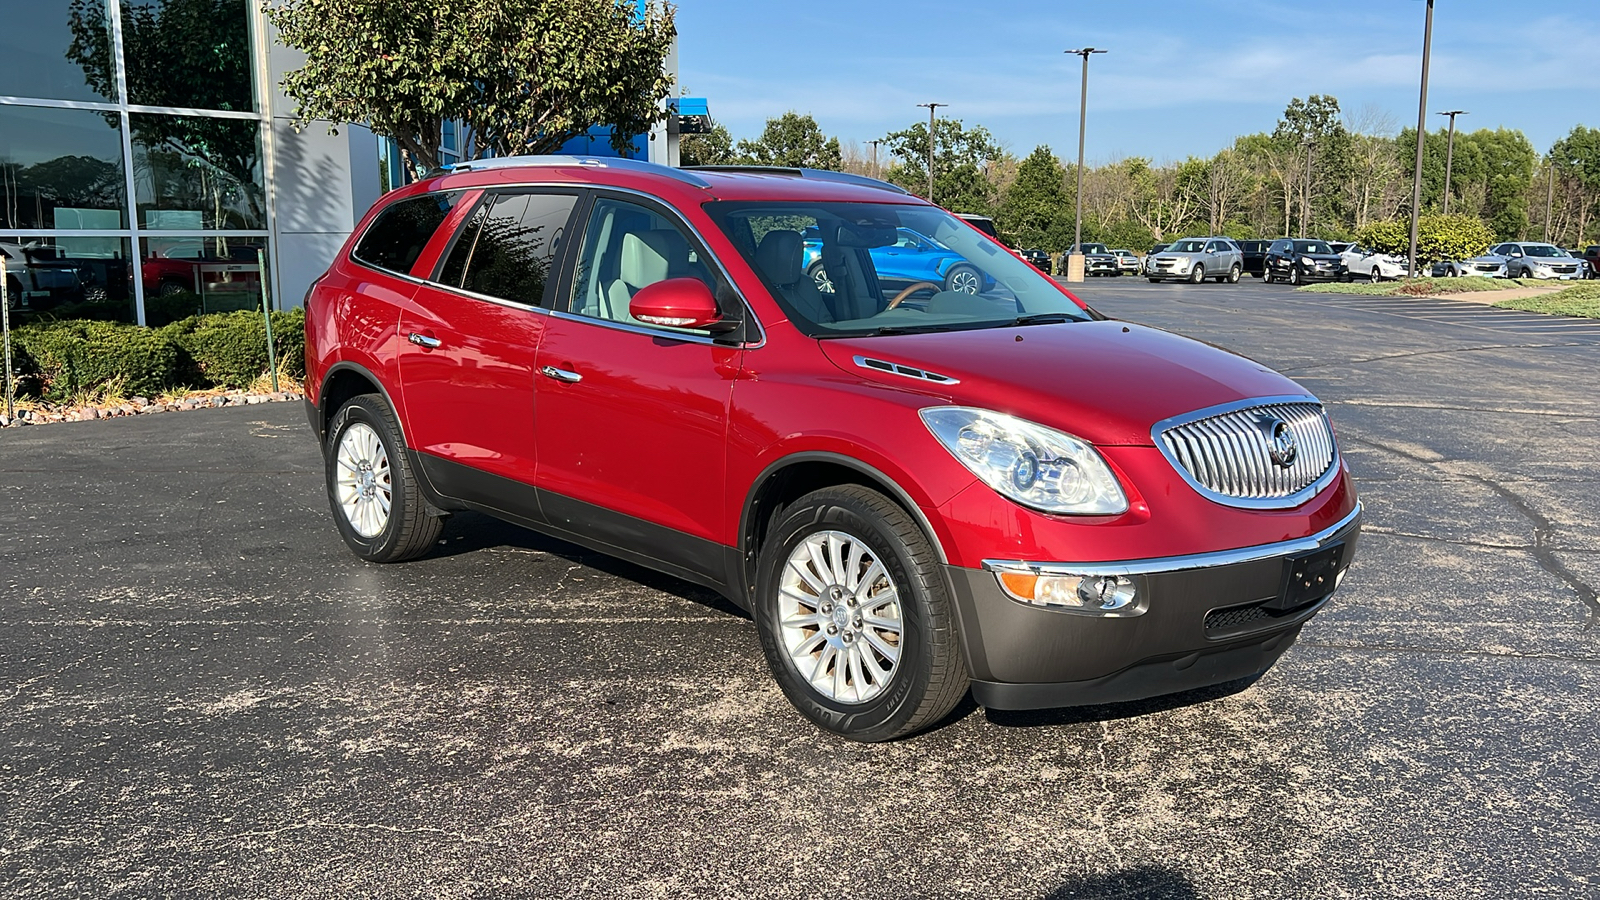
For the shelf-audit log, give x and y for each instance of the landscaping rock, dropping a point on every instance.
(88, 414)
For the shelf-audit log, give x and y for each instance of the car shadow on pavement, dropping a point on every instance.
(1077, 715)
(471, 532)
(1137, 883)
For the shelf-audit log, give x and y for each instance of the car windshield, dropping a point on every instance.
(1312, 247)
(842, 269)
(1099, 249)
(1542, 250)
(1188, 247)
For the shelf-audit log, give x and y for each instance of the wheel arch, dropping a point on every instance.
(791, 477)
(344, 381)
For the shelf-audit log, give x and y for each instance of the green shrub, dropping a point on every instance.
(62, 359)
(230, 349)
(1438, 237)
(159, 311)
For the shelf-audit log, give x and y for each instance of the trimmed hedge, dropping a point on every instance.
(56, 360)
(59, 359)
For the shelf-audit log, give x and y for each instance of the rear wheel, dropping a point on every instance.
(1234, 273)
(376, 503)
(963, 280)
(854, 616)
(1198, 275)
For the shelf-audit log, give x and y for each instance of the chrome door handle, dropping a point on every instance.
(422, 340)
(561, 375)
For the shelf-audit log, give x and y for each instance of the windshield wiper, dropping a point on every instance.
(1049, 318)
(919, 329)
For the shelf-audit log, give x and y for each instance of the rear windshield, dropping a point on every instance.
(875, 268)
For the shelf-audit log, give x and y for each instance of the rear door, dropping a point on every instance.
(471, 334)
(633, 418)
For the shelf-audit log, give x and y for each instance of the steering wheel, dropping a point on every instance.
(911, 290)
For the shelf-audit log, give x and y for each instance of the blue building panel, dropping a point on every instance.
(598, 143)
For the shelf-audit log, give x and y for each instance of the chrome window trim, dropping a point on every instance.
(761, 331)
(1183, 563)
(1286, 502)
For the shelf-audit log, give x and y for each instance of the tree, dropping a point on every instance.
(1227, 179)
(1438, 237)
(525, 76)
(792, 141)
(1034, 211)
(715, 148)
(960, 156)
(1577, 157)
(1313, 149)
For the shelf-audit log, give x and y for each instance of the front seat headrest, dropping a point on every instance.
(779, 257)
(651, 256)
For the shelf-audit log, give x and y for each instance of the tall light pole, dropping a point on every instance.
(1075, 259)
(875, 171)
(1305, 195)
(1450, 153)
(1422, 125)
(1550, 194)
(933, 108)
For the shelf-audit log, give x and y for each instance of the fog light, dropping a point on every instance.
(1097, 595)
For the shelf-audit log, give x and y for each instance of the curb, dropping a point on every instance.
(50, 414)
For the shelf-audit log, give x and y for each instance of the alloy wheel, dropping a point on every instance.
(839, 617)
(365, 482)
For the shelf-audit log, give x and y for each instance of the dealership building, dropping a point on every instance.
(150, 165)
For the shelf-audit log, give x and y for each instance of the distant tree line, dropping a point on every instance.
(1319, 173)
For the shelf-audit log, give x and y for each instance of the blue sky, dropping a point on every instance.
(1182, 78)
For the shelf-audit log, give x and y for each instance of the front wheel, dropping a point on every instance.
(1294, 274)
(1374, 275)
(819, 276)
(1233, 275)
(1153, 280)
(1198, 275)
(854, 616)
(376, 502)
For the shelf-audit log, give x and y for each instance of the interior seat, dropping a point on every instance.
(779, 257)
(647, 257)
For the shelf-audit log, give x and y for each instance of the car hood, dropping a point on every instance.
(1484, 260)
(1551, 260)
(1329, 257)
(1106, 382)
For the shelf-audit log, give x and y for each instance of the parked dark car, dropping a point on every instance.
(1295, 260)
(1097, 260)
(1037, 258)
(1591, 255)
(915, 492)
(1255, 255)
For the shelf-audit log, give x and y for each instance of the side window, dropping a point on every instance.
(627, 247)
(508, 247)
(398, 235)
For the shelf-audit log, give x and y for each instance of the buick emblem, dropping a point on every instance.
(1282, 447)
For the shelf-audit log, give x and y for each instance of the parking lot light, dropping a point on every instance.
(1075, 260)
(1422, 125)
(1450, 154)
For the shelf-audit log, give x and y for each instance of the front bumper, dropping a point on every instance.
(1207, 619)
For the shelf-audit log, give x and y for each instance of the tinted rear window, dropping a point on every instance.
(397, 236)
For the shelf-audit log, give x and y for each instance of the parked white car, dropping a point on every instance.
(1375, 266)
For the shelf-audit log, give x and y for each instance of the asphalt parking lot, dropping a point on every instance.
(203, 694)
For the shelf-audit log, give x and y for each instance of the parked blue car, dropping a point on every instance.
(911, 258)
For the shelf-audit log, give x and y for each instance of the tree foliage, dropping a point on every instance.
(1438, 237)
(714, 148)
(959, 157)
(793, 141)
(1034, 212)
(525, 76)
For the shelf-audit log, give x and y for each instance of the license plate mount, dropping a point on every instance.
(1309, 577)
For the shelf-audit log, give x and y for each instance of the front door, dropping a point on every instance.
(471, 336)
(633, 418)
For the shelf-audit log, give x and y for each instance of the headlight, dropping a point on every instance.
(1036, 466)
(1306, 261)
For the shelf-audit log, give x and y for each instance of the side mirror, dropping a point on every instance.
(676, 302)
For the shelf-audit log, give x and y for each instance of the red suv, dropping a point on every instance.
(914, 491)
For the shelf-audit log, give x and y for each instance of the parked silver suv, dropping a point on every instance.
(1196, 259)
(1529, 259)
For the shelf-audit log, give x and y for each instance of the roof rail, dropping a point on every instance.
(813, 174)
(587, 162)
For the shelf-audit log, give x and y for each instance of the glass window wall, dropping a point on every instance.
(61, 168)
(68, 278)
(57, 50)
(186, 276)
(194, 172)
(192, 54)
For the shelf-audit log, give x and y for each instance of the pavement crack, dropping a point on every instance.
(1541, 550)
(1443, 651)
(1462, 542)
(1413, 354)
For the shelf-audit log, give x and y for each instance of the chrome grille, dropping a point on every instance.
(1229, 454)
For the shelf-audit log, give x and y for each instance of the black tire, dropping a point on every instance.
(1153, 280)
(1266, 276)
(1374, 276)
(959, 278)
(169, 288)
(930, 676)
(409, 531)
(1234, 274)
(1198, 274)
(1294, 275)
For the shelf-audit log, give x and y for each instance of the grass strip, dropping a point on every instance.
(1422, 287)
(1581, 300)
